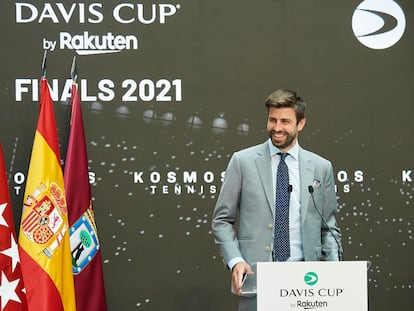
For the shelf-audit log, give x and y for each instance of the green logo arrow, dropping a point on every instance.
(311, 278)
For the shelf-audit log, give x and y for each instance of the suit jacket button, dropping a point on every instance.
(267, 249)
(270, 226)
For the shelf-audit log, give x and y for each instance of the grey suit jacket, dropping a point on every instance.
(243, 217)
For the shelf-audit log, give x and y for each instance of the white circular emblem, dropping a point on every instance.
(378, 24)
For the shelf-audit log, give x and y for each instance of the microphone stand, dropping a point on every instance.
(310, 188)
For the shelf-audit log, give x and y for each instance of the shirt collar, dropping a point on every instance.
(294, 152)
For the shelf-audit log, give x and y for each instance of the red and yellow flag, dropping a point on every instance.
(12, 294)
(44, 230)
(85, 248)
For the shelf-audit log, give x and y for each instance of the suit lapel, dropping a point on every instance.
(263, 164)
(306, 171)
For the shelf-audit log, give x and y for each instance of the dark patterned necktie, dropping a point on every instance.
(281, 238)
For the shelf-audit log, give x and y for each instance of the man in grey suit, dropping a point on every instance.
(243, 221)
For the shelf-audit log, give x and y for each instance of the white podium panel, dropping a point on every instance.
(320, 285)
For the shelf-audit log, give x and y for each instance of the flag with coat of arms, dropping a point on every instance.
(85, 248)
(44, 242)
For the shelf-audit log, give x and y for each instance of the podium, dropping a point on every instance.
(307, 285)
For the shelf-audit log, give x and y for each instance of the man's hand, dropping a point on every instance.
(239, 270)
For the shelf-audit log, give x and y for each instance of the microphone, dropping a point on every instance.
(310, 189)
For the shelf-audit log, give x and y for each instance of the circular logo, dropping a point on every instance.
(378, 24)
(311, 278)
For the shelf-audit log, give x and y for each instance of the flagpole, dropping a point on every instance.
(44, 64)
(74, 76)
(74, 70)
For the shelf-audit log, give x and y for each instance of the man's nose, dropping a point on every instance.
(277, 126)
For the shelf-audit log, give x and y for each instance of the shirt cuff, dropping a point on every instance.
(234, 262)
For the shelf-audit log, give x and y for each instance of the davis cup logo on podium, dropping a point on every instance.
(378, 24)
(311, 278)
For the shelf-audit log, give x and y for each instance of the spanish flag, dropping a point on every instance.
(86, 255)
(44, 230)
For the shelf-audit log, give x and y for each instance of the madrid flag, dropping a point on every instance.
(44, 229)
(86, 255)
(12, 295)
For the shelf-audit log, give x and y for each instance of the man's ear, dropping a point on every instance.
(301, 124)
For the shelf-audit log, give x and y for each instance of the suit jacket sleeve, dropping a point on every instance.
(225, 212)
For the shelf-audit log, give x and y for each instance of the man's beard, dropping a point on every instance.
(283, 144)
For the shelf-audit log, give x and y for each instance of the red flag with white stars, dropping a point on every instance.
(12, 292)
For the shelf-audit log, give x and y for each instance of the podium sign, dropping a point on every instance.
(306, 285)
